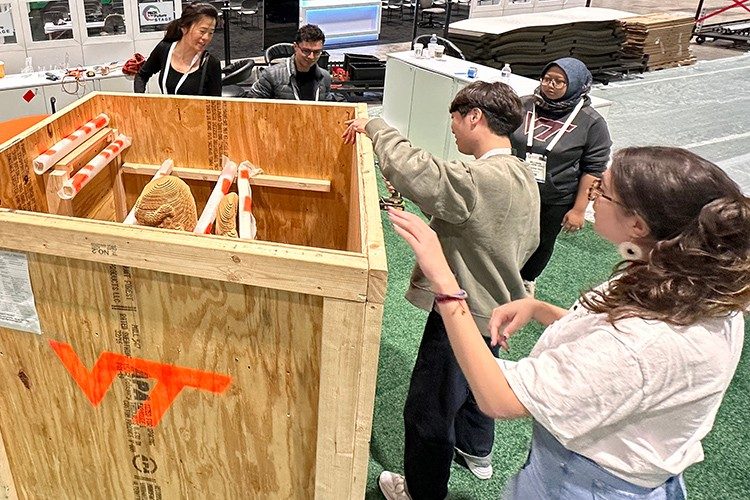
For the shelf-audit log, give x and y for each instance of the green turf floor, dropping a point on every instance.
(580, 260)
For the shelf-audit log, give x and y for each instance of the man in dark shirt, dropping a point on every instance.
(298, 77)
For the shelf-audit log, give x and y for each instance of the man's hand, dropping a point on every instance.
(356, 126)
(573, 220)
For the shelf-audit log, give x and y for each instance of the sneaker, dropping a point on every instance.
(393, 486)
(530, 287)
(479, 466)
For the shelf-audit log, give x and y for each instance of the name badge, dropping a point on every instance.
(538, 165)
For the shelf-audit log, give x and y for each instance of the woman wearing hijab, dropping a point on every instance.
(566, 143)
(181, 59)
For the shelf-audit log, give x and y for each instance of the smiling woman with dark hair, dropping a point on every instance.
(181, 59)
(624, 386)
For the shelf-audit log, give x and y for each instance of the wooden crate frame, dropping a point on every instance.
(294, 319)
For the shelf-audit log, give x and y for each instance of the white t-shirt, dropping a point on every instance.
(637, 400)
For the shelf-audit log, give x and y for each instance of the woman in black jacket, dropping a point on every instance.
(566, 143)
(190, 69)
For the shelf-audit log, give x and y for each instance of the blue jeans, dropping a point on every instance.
(553, 472)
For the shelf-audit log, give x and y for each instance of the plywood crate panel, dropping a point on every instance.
(175, 365)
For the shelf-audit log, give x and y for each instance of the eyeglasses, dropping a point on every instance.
(555, 84)
(595, 191)
(310, 52)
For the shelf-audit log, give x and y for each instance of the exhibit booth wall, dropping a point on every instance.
(70, 33)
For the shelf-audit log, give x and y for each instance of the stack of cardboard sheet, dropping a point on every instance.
(529, 41)
(663, 38)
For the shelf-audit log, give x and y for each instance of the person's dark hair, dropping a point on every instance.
(499, 103)
(309, 33)
(699, 220)
(190, 14)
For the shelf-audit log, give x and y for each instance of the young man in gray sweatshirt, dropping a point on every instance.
(486, 215)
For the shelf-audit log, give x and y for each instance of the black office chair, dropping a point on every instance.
(407, 6)
(250, 9)
(427, 8)
(450, 47)
(114, 24)
(397, 5)
(234, 74)
(279, 51)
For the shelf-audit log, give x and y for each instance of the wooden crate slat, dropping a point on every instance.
(303, 270)
(204, 174)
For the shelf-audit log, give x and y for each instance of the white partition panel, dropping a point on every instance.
(19, 102)
(429, 118)
(120, 84)
(105, 53)
(53, 56)
(13, 59)
(397, 94)
(65, 94)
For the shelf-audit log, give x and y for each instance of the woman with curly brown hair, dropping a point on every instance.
(624, 385)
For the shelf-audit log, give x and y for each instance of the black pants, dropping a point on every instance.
(550, 220)
(440, 414)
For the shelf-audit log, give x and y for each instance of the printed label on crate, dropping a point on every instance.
(17, 307)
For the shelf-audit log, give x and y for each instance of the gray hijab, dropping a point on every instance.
(579, 84)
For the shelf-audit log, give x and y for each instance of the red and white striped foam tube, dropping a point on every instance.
(206, 220)
(73, 186)
(46, 160)
(165, 169)
(248, 225)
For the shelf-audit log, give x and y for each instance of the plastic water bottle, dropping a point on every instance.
(28, 68)
(431, 45)
(505, 74)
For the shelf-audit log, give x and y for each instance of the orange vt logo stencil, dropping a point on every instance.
(170, 380)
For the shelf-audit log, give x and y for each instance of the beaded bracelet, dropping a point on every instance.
(442, 297)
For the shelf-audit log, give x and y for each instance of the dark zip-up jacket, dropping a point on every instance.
(278, 82)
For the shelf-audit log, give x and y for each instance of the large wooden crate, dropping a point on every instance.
(225, 368)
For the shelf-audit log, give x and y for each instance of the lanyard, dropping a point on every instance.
(169, 66)
(553, 142)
